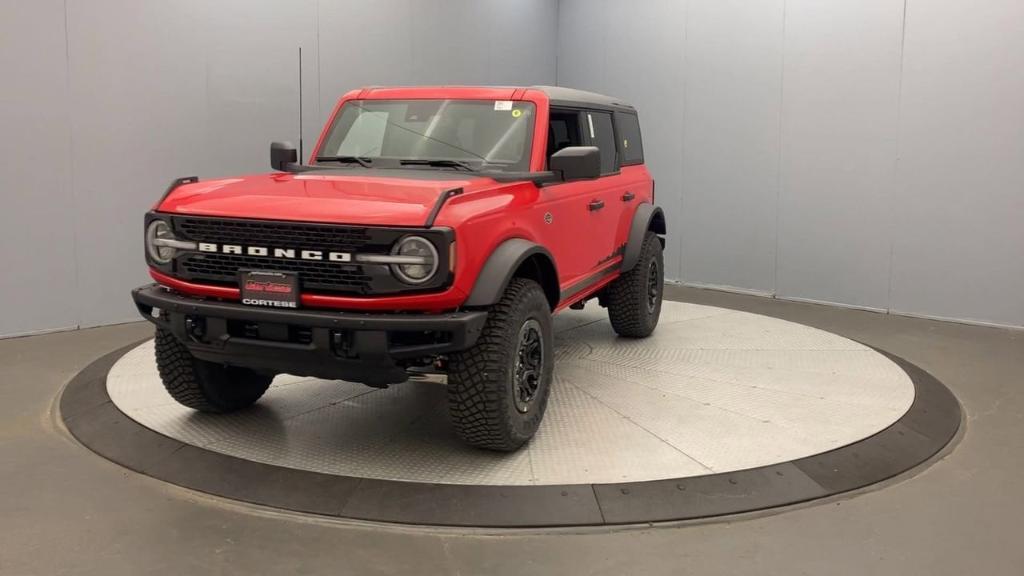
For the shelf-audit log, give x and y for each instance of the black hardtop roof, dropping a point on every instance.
(558, 95)
(562, 96)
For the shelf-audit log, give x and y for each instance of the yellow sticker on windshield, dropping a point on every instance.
(517, 113)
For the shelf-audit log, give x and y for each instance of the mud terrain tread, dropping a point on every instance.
(478, 400)
(626, 296)
(205, 386)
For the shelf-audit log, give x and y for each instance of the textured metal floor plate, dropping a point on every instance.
(713, 390)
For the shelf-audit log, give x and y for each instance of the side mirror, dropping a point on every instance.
(576, 162)
(283, 156)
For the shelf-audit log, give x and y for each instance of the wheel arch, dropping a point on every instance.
(513, 258)
(647, 218)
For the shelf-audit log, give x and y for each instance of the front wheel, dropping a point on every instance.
(202, 385)
(634, 299)
(498, 389)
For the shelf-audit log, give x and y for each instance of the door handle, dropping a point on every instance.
(628, 196)
(595, 205)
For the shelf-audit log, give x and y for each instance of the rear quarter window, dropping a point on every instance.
(630, 144)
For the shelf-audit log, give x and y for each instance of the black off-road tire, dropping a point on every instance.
(482, 382)
(634, 298)
(202, 385)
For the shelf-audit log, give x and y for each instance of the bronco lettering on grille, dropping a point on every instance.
(289, 253)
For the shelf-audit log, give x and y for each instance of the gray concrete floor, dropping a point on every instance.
(66, 511)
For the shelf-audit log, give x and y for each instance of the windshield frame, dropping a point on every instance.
(525, 162)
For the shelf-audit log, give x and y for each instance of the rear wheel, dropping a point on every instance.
(498, 389)
(634, 299)
(205, 386)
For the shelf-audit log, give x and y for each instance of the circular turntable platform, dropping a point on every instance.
(717, 402)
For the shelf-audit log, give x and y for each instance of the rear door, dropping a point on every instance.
(608, 190)
(637, 186)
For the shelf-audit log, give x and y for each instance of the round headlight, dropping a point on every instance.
(421, 256)
(158, 229)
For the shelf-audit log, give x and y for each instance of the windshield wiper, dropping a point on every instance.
(440, 163)
(362, 161)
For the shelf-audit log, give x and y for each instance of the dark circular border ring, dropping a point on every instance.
(929, 425)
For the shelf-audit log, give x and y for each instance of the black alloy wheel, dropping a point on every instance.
(653, 286)
(529, 365)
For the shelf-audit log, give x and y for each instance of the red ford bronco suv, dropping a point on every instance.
(433, 229)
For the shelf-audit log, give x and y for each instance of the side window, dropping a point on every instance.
(629, 138)
(602, 134)
(563, 130)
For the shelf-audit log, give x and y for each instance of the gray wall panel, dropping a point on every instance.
(521, 38)
(823, 155)
(581, 48)
(449, 42)
(361, 44)
(138, 87)
(405, 42)
(731, 142)
(959, 242)
(37, 250)
(252, 93)
(841, 87)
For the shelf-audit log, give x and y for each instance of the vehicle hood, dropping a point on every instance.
(397, 197)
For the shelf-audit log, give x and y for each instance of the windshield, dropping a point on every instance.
(483, 134)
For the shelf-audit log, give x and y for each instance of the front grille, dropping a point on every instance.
(328, 276)
(275, 234)
(314, 275)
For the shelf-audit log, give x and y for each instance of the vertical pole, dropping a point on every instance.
(301, 153)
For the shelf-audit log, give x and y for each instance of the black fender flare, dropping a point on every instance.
(647, 217)
(503, 262)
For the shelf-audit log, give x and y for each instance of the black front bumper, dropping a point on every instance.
(369, 348)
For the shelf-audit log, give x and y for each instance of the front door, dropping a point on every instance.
(584, 214)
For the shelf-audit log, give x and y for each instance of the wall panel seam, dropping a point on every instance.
(682, 131)
(558, 25)
(319, 70)
(778, 155)
(70, 182)
(897, 180)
